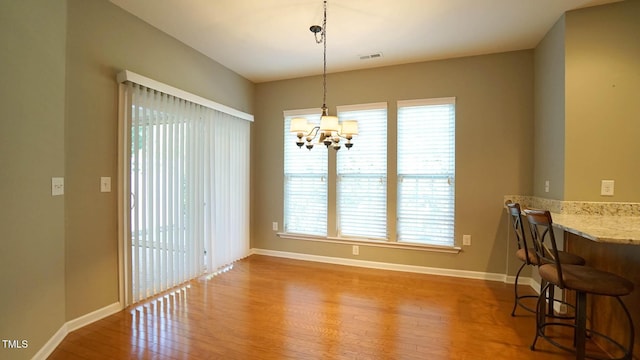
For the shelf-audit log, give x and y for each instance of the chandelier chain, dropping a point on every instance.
(330, 130)
(324, 69)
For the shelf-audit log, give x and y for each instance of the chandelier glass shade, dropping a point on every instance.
(331, 130)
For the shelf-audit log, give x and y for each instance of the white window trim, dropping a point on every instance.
(426, 102)
(388, 243)
(423, 103)
(374, 243)
(369, 106)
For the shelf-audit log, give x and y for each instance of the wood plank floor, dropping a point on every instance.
(273, 308)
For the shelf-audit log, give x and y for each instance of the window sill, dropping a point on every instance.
(375, 243)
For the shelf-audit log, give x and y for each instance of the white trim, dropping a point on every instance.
(512, 280)
(372, 242)
(75, 324)
(523, 281)
(383, 266)
(94, 316)
(535, 285)
(127, 75)
(557, 306)
(422, 102)
(359, 107)
(123, 193)
(52, 344)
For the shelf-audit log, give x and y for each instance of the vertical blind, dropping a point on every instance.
(188, 177)
(426, 171)
(362, 174)
(227, 190)
(305, 181)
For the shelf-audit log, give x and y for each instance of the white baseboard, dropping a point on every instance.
(72, 325)
(382, 265)
(523, 281)
(406, 268)
(535, 285)
(557, 306)
(52, 344)
(94, 316)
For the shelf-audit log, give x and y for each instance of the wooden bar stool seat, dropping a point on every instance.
(581, 279)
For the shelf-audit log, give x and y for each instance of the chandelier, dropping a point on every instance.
(330, 130)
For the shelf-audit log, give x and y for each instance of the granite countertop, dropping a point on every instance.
(601, 228)
(606, 222)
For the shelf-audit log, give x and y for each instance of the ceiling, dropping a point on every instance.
(270, 39)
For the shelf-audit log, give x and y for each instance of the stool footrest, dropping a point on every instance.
(590, 333)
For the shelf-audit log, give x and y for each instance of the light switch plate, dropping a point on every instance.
(57, 186)
(105, 184)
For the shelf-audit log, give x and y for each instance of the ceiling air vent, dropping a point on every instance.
(371, 56)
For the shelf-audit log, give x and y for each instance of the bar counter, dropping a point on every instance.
(601, 228)
(605, 235)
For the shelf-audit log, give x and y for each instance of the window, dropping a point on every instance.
(426, 171)
(362, 174)
(305, 181)
(358, 188)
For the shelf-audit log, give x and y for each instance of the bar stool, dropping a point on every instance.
(528, 257)
(581, 279)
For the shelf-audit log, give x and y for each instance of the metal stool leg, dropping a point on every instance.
(515, 286)
(629, 352)
(540, 313)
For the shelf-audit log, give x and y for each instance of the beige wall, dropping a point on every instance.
(494, 123)
(549, 105)
(587, 109)
(603, 102)
(103, 40)
(59, 118)
(32, 82)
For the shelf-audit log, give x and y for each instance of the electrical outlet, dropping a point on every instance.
(546, 186)
(274, 226)
(606, 187)
(466, 240)
(355, 249)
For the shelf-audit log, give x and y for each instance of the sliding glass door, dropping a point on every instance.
(187, 174)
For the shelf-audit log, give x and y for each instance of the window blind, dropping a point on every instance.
(164, 250)
(227, 190)
(186, 175)
(426, 171)
(362, 174)
(305, 181)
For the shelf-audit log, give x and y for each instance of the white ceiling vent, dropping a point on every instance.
(371, 56)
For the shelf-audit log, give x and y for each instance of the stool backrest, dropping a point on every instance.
(544, 241)
(515, 213)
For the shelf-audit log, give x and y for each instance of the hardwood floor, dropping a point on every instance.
(273, 308)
